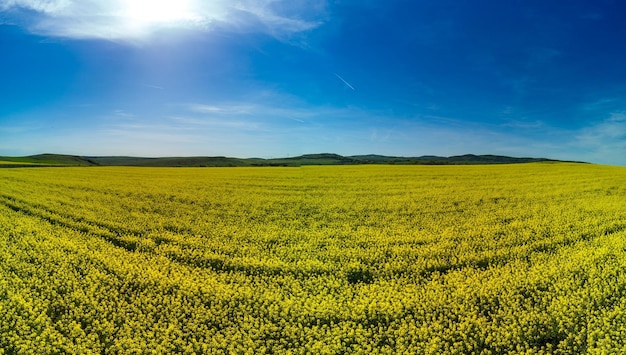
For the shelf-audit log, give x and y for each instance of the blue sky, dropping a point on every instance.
(275, 78)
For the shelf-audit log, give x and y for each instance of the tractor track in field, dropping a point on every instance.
(115, 236)
(111, 235)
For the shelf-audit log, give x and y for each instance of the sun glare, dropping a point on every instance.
(152, 12)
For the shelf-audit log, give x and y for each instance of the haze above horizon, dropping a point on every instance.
(284, 78)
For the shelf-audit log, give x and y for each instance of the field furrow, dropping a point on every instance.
(358, 259)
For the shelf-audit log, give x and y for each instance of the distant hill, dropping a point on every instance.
(219, 161)
(45, 160)
(169, 161)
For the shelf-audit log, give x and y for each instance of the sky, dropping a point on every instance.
(278, 78)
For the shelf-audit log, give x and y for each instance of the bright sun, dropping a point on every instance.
(151, 12)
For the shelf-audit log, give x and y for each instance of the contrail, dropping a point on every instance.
(344, 81)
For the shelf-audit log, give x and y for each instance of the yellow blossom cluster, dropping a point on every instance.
(491, 259)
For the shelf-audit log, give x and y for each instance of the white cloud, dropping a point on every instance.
(213, 123)
(523, 124)
(265, 111)
(611, 129)
(123, 114)
(604, 141)
(235, 109)
(137, 20)
(45, 6)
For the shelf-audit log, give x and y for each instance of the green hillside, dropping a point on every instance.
(221, 161)
(170, 161)
(46, 160)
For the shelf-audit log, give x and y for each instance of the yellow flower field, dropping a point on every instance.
(491, 259)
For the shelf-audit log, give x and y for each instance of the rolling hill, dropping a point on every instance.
(220, 161)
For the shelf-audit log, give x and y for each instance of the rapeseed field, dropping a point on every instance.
(499, 259)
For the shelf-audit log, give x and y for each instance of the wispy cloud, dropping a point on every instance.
(611, 129)
(123, 114)
(154, 86)
(222, 109)
(603, 141)
(601, 105)
(137, 20)
(523, 124)
(211, 123)
(255, 109)
(50, 6)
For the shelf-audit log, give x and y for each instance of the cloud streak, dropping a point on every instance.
(138, 20)
(344, 81)
(606, 140)
(154, 87)
(253, 109)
